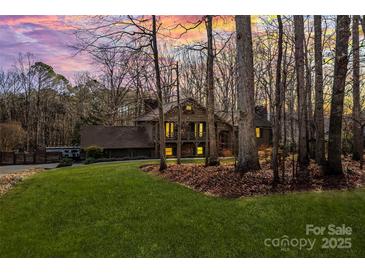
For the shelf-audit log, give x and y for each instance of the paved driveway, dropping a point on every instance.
(4, 170)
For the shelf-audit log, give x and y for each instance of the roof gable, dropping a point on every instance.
(152, 115)
(225, 117)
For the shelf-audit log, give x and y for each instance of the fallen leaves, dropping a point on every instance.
(9, 181)
(223, 181)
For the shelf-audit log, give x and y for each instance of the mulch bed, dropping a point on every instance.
(9, 181)
(223, 181)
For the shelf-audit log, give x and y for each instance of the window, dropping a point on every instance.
(168, 151)
(188, 107)
(199, 151)
(169, 129)
(199, 129)
(258, 132)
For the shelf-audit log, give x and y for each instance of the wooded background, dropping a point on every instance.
(307, 71)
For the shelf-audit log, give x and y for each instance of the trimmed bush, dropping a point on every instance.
(65, 162)
(94, 152)
(89, 160)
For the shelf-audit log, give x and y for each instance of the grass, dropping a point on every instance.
(116, 210)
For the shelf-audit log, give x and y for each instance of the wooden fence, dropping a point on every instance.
(21, 158)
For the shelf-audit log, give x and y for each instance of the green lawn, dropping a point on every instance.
(116, 210)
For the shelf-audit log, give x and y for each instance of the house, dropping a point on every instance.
(141, 140)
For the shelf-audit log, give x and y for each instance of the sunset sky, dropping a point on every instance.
(49, 38)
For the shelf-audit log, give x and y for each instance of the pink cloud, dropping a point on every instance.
(47, 37)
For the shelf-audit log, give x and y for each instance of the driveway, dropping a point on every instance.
(4, 170)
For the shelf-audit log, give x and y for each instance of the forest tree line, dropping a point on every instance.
(307, 71)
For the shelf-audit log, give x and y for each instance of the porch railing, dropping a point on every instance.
(187, 136)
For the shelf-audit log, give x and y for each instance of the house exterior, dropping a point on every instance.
(142, 140)
(119, 141)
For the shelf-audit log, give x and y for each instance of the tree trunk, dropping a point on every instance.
(362, 124)
(318, 115)
(335, 129)
(278, 104)
(362, 147)
(284, 85)
(309, 109)
(161, 121)
(247, 147)
(178, 152)
(27, 127)
(303, 160)
(363, 24)
(213, 159)
(356, 109)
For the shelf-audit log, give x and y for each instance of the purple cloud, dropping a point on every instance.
(47, 37)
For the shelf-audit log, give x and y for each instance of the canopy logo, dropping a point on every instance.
(333, 237)
(285, 243)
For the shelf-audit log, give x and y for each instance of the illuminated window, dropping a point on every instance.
(169, 129)
(199, 129)
(188, 107)
(168, 151)
(199, 150)
(258, 132)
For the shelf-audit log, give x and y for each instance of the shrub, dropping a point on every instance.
(94, 152)
(12, 136)
(89, 160)
(347, 144)
(65, 162)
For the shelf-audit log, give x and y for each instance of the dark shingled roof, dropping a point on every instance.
(153, 114)
(260, 119)
(120, 137)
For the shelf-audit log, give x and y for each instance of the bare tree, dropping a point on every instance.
(247, 147)
(318, 114)
(212, 158)
(308, 88)
(26, 74)
(159, 95)
(356, 109)
(134, 33)
(278, 105)
(116, 75)
(11, 136)
(303, 160)
(335, 129)
(178, 150)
